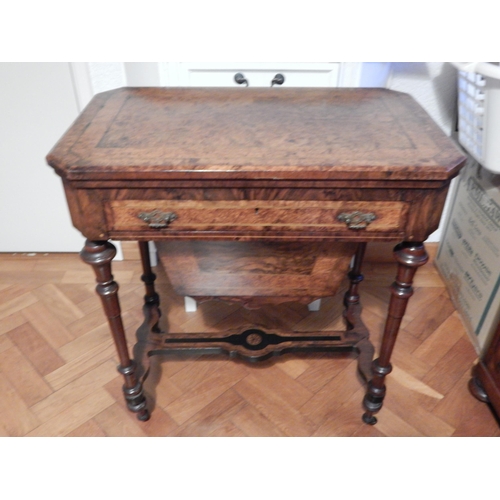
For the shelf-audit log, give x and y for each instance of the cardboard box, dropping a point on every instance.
(468, 257)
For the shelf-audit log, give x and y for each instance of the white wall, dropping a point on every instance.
(37, 103)
(433, 85)
(106, 76)
(110, 75)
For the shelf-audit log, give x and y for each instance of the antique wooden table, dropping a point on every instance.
(291, 166)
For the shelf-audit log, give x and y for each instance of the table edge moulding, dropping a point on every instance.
(275, 168)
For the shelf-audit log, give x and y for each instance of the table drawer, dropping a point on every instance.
(255, 216)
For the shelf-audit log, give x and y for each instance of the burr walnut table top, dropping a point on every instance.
(275, 134)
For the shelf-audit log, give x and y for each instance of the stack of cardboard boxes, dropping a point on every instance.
(469, 252)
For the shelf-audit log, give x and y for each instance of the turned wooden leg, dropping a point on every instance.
(355, 277)
(410, 256)
(99, 255)
(352, 315)
(476, 387)
(151, 299)
(148, 277)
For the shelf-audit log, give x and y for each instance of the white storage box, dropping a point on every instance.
(479, 112)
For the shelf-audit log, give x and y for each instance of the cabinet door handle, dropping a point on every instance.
(239, 78)
(279, 79)
(356, 220)
(157, 219)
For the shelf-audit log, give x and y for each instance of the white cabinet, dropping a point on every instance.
(105, 76)
(332, 74)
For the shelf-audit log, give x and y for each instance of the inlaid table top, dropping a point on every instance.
(276, 133)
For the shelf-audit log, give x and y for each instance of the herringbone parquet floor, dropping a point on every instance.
(58, 365)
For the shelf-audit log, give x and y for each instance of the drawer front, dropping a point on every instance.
(256, 216)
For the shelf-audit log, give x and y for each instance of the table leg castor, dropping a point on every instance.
(369, 419)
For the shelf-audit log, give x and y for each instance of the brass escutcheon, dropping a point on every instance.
(157, 219)
(357, 220)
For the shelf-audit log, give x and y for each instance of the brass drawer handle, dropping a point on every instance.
(157, 219)
(356, 220)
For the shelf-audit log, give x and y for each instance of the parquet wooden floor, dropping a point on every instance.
(58, 365)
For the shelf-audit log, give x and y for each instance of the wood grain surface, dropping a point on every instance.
(167, 133)
(257, 215)
(255, 163)
(280, 272)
